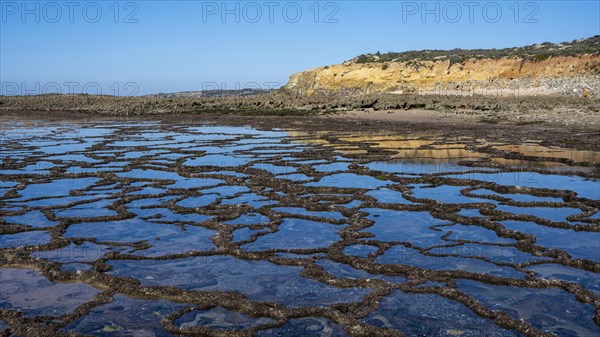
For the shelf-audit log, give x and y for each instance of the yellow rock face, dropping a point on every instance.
(426, 75)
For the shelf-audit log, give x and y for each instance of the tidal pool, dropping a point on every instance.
(161, 229)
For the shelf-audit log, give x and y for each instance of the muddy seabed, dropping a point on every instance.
(295, 227)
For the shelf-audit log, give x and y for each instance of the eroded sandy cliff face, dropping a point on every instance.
(544, 73)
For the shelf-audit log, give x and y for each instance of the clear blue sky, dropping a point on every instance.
(167, 46)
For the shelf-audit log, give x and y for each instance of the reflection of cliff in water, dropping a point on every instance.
(536, 150)
(435, 149)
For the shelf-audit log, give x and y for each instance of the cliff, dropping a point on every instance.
(565, 68)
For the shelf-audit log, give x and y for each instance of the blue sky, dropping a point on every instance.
(140, 47)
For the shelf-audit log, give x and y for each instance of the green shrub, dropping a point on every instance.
(534, 52)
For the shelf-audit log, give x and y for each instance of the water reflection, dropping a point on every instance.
(288, 232)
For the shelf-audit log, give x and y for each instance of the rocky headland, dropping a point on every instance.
(569, 68)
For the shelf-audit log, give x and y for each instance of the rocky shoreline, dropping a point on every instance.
(553, 110)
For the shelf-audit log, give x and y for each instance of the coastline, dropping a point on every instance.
(575, 113)
(375, 122)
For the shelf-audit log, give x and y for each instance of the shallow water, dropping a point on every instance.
(159, 229)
